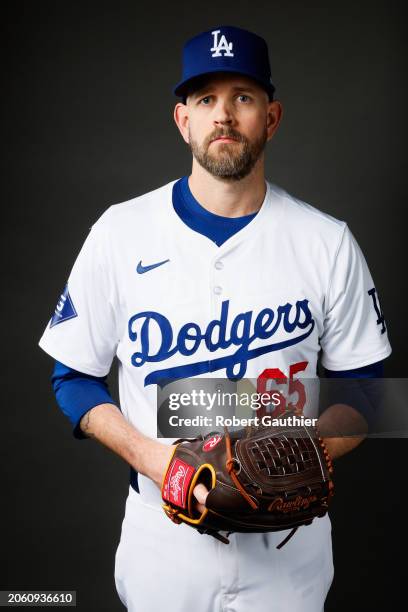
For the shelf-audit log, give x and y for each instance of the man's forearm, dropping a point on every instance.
(106, 424)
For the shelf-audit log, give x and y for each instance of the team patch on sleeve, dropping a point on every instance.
(64, 310)
(380, 315)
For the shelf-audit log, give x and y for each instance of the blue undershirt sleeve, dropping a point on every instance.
(76, 393)
(363, 394)
(374, 370)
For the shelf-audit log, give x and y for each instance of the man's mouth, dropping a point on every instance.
(224, 139)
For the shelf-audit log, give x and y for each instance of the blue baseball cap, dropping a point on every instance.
(226, 49)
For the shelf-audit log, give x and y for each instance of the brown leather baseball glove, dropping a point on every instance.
(259, 479)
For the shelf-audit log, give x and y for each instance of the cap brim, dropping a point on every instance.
(182, 87)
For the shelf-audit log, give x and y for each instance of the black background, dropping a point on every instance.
(87, 123)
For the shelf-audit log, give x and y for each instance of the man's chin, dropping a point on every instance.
(226, 174)
(224, 155)
(225, 166)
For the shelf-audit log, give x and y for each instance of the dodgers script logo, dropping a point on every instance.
(220, 334)
(221, 45)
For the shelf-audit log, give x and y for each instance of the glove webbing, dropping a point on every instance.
(230, 465)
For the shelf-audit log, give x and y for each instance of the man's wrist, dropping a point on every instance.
(153, 460)
(147, 456)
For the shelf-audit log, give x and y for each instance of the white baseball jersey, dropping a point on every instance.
(172, 304)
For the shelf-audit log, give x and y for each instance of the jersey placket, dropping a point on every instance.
(217, 291)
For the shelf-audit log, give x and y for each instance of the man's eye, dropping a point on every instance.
(205, 100)
(243, 98)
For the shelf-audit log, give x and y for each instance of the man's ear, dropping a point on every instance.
(273, 117)
(182, 119)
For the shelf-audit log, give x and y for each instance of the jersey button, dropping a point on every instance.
(218, 265)
(217, 290)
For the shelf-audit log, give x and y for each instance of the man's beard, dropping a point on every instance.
(232, 162)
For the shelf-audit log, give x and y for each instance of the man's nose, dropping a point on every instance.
(223, 114)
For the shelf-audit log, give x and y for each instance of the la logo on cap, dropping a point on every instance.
(221, 45)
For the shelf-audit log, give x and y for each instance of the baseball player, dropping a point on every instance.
(218, 274)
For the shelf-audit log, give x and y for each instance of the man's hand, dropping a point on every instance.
(161, 454)
(200, 492)
(342, 429)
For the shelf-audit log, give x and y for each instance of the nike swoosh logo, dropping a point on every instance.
(142, 269)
